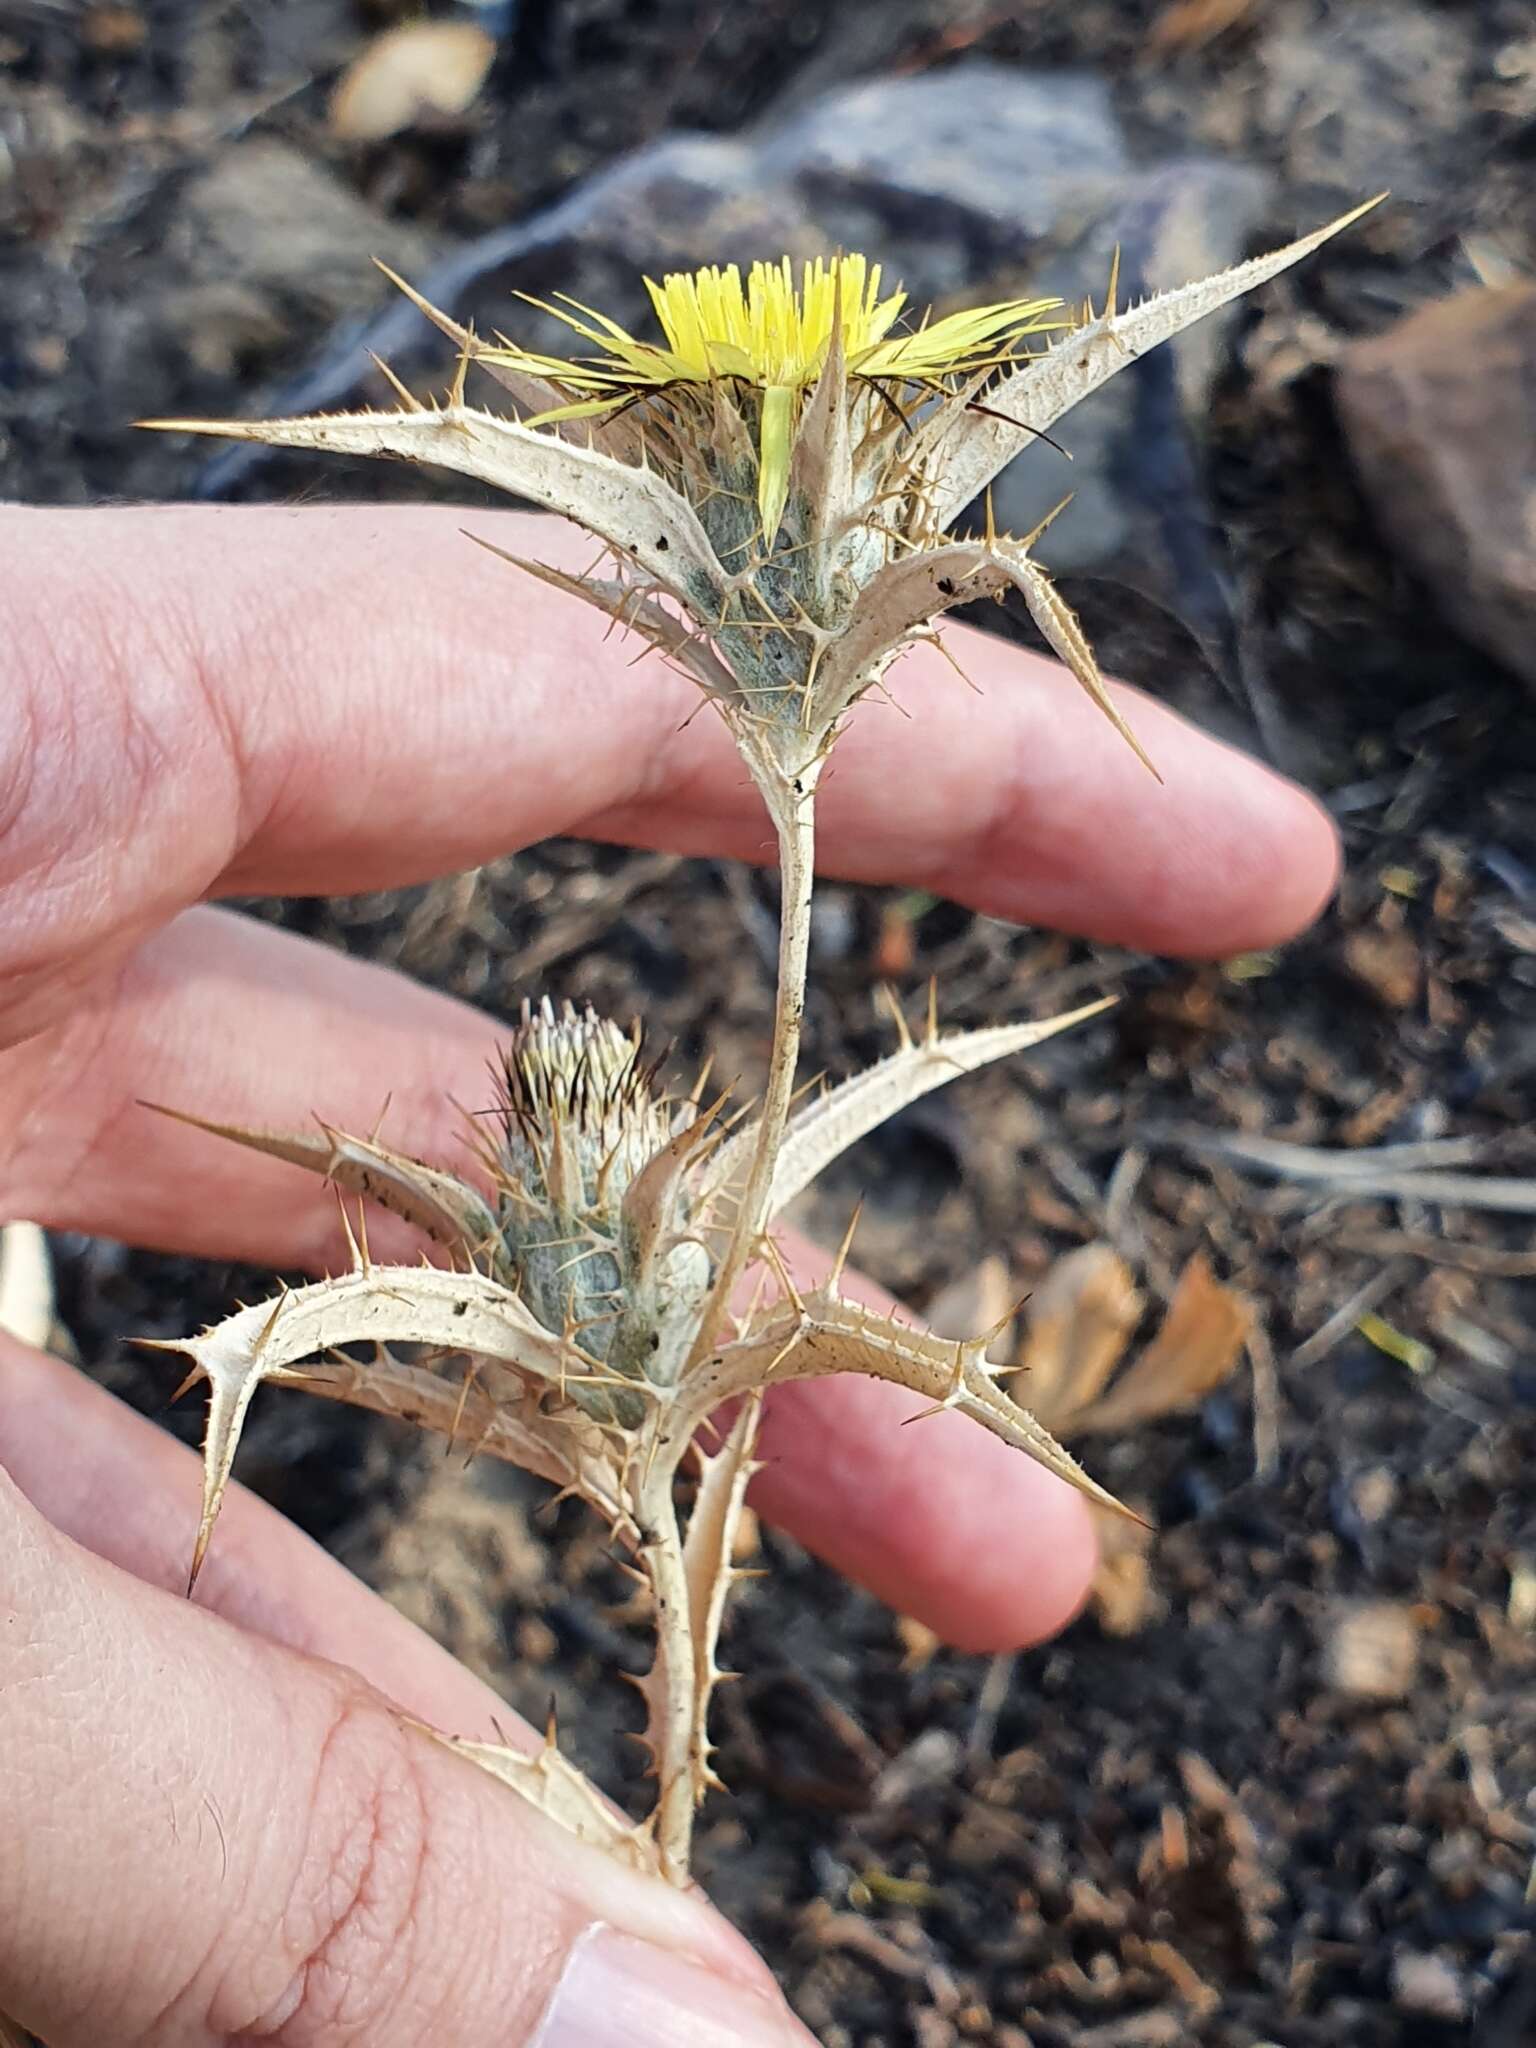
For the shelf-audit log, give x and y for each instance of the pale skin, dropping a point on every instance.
(217, 1827)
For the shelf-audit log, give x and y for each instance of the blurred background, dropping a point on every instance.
(1277, 1786)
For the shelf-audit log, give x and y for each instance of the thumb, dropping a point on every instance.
(210, 1838)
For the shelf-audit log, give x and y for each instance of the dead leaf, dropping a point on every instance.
(1123, 1597)
(919, 1644)
(1194, 1351)
(420, 70)
(978, 1301)
(1079, 1321)
(1191, 24)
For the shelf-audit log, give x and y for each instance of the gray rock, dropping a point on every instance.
(1140, 513)
(274, 222)
(1440, 418)
(1428, 1984)
(1372, 97)
(951, 175)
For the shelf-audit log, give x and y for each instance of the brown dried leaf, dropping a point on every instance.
(1123, 1596)
(919, 1644)
(978, 1300)
(1194, 1351)
(1080, 1320)
(1191, 24)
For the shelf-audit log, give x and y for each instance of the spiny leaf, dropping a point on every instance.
(829, 1335)
(634, 612)
(962, 451)
(381, 1305)
(531, 393)
(560, 1792)
(444, 1207)
(826, 1127)
(632, 509)
(707, 1551)
(915, 589)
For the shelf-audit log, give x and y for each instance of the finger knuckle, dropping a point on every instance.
(369, 1880)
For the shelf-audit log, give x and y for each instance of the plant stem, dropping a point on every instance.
(794, 820)
(670, 1690)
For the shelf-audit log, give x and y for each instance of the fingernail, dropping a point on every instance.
(617, 1989)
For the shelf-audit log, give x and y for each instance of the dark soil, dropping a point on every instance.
(1198, 1834)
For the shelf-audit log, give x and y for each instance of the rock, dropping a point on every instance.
(930, 1760)
(1440, 418)
(222, 324)
(279, 224)
(1371, 98)
(952, 174)
(1371, 1650)
(1428, 1984)
(1140, 513)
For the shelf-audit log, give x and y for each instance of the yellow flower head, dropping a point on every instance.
(775, 336)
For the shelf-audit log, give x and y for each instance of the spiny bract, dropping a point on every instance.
(601, 1250)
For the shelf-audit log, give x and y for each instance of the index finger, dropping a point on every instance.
(202, 701)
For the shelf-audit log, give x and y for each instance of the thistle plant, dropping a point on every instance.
(775, 482)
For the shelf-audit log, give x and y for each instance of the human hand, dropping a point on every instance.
(202, 703)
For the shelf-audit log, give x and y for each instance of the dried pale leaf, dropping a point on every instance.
(26, 1284)
(1068, 642)
(636, 613)
(1196, 1349)
(826, 1335)
(1078, 1323)
(1123, 1595)
(708, 1547)
(918, 587)
(409, 74)
(378, 1305)
(528, 392)
(982, 1299)
(633, 510)
(826, 1127)
(563, 1795)
(437, 1203)
(963, 451)
(1191, 24)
